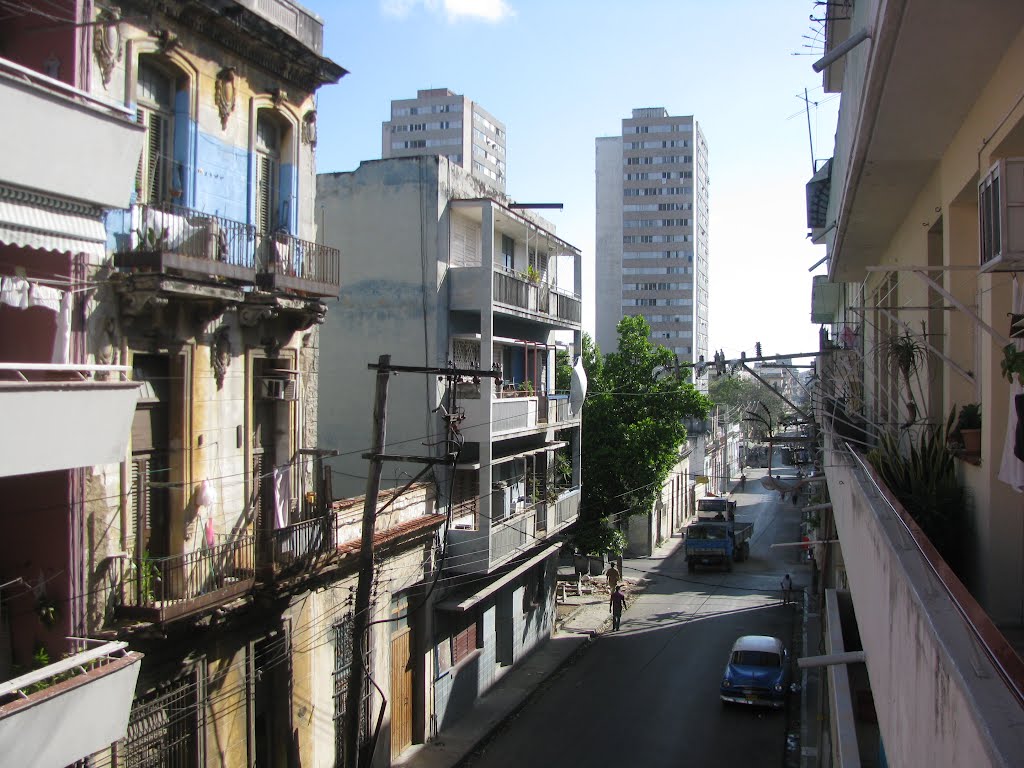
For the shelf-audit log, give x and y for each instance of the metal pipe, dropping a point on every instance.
(842, 49)
(846, 657)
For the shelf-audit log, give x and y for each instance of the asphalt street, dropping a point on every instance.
(647, 695)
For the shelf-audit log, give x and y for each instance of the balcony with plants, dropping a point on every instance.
(901, 515)
(164, 589)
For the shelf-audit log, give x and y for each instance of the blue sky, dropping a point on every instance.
(560, 73)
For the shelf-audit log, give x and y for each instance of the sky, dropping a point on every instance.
(560, 73)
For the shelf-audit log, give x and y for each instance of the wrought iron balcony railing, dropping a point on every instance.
(162, 589)
(173, 239)
(289, 264)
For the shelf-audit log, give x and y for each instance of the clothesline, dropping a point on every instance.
(22, 293)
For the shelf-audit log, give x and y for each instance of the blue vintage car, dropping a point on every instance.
(757, 672)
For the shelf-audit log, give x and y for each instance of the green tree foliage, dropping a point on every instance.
(633, 425)
(738, 396)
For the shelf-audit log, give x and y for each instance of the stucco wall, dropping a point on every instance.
(939, 701)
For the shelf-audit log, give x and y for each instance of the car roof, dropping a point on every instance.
(758, 643)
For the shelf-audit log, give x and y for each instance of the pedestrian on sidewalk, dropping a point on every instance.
(613, 576)
(615, 604)
(787, 588)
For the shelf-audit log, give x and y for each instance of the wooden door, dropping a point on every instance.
(401, 692)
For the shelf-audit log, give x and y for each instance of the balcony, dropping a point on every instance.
(63, 137)
(162, 589)
(295, 548)
(924, 637)
(86, 698)
(514, 295)
(63, 416)
(288, 264)
(171, 240)
(514, 530)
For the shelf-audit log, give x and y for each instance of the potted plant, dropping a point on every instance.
(1012, 363)
(968, 426)
(905, 353)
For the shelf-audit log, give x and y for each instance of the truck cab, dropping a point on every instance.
(716, 508)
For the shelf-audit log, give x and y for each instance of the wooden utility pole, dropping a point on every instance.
(354, 695)
(354, 757)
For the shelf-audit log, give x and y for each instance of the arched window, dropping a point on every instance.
(154, 92)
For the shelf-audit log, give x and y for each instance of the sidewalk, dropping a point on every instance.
(580, 620)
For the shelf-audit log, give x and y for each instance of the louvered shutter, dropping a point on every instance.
(140, 519)
(151, 176)
(465, 251)
(266, 169)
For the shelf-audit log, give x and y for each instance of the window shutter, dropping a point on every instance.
(265, 175)
(140, 520)
(150, 178)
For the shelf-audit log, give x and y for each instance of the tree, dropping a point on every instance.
(739, 396)
(633, 425)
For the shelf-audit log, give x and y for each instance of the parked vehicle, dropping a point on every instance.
(717, 543)
(757, 672)
(715, 508)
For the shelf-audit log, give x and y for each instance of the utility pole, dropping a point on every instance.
(353, 757)
(354, 694)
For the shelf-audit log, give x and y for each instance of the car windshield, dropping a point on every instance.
(756, 659)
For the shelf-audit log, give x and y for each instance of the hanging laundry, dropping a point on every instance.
(62, 336)
(282, 495)
(14, 292)
(44, 296)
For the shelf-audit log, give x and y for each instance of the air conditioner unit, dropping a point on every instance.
(1001, 217)
(277, 388)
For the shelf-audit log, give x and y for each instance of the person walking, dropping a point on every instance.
(615, 604)
(787, 588)
(613, 576)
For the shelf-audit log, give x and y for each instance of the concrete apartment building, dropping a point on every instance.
(652, 231)
(443, 271)
(919, 210)
(439, 122)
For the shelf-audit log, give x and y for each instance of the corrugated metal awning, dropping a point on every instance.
(28, 224)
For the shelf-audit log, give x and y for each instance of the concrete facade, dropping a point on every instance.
(906, 212)
(440, 271)
(652, 231)
(439, 122)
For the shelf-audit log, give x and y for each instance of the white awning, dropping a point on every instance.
(29, 225)
(468, 602)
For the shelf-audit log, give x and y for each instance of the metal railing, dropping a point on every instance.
(288, 256)
(160, 582)
(511, 534)
(567, 506)
(298, 542)
(195, 234)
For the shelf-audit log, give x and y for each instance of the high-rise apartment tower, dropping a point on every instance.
(652, 231)
(439, 122)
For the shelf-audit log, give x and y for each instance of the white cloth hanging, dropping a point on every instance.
(282, 494)
(577, 387)
(62, 336)
(44, 296)
(14, 292)
(1011, 469)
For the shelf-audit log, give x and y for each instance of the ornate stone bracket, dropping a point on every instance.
(309, 128)
(220, 354)
(106, 41)
(250, 317)
(224, 93)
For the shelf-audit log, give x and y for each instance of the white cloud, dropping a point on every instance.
(455, 10)
(487, 10)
